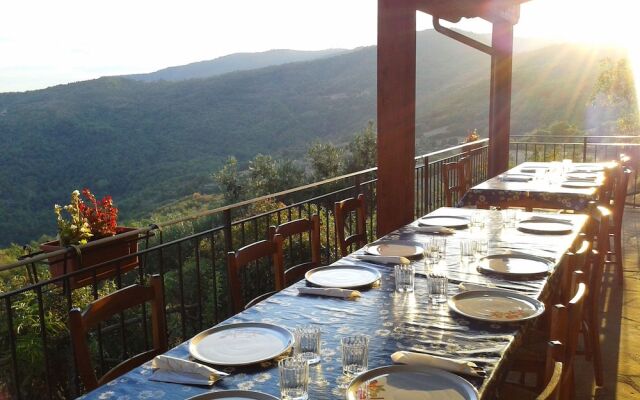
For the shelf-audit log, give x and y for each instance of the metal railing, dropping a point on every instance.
(190, 254)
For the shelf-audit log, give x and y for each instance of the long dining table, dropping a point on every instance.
(546, 182)
(393, 321)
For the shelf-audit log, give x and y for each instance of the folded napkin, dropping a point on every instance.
(383, 259)
(515, 178)
(532, 170)
(468, 286)
(427, 360)
(434, 229)
(330, 292)
(178, 370)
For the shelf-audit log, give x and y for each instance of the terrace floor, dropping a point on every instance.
(620, 327)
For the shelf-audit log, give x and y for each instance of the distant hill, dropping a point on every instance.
(147, 143)
(232, 63)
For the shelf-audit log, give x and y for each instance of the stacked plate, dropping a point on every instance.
(234, 395)
(545, 226)
(447, 221)
(498, 306)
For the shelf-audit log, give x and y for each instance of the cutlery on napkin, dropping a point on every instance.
(178, 370)
(330, 292)
(427, 360)
(383, 259)
(434, 229)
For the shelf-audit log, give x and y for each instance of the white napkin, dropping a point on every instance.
(383, 259)
(178, 370)
(434, 229)
(515, 178)
(468, 286)
(330, 292)
(420, 359)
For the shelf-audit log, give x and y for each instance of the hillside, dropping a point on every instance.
(147, 143)
(232, 63)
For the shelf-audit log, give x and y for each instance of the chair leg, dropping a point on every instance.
(595, 347)
(617, 239)
(586, 335)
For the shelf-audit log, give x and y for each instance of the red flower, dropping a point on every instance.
(102, 216)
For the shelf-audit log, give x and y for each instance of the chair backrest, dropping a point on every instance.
(565, 327)
(247, 254)
(106, 307)
(456, 178)
(342, 210)
(620, 195)
(578, 260)
(553, 372)
(299, 227)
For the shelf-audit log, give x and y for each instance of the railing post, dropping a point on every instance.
(356, 185)
(584, 149)
(425, 191)
(228, 240)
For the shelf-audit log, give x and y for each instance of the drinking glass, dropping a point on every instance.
(467, 250)
(437, 282)
(509, 218)
(436, 249)
(481, 248)
(477, 221)
(405, 278)
(294, 378)
(355, 354)
(307, 344)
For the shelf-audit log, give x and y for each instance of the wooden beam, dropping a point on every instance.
(396, 113)
(500, 97)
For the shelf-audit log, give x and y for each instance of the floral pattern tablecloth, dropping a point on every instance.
(393, 321)
(549, 190)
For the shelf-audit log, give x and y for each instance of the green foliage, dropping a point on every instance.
(615, 85)
(326, 159)
(228, 180)
(363, 148)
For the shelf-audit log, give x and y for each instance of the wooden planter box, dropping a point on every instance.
(93, 256)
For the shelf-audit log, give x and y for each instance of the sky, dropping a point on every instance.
(44, 42)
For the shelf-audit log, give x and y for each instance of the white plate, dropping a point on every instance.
(545, 227)
(407, 382)
(343, 276)
(241, 343)
(496, 305)
(396, 248)
(234, 395)
(579, 184)
(448, 221)
(514, 265)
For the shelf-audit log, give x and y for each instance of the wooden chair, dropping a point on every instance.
(240, 259)
(342, 210)
(299, 227)
(456, 178)
(104, 308)
(619, 199)
(566, 321)
(553, 374)
(591, 320)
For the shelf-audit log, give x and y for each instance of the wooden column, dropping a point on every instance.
(396, 113)
(500, 97)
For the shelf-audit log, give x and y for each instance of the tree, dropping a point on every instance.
(363, 148)
(615, 85)
(229, 181)
(327, 160)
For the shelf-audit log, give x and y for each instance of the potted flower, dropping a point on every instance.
(80, 222)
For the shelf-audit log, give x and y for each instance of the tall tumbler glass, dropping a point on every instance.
(355, 354)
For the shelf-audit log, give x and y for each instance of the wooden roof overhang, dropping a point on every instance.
(396, 92)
